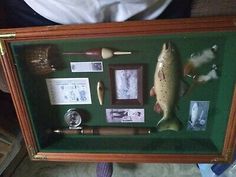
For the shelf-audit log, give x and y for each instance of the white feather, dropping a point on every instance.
(205, 57)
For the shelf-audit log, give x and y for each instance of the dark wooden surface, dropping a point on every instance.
(127, 28)
(8, 115)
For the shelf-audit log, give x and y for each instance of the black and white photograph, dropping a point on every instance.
(97, 66)
(198, 114)
(126, 84)
(125, 115)
(86, 66)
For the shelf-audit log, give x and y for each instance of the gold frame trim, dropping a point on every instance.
(7, 35)
(34, 155)
(2, 48)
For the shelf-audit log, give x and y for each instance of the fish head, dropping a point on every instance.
(167, 53)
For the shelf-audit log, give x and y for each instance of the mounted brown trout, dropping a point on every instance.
(166, 88)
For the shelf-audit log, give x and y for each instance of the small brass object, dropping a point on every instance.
(2, 48)
(33, 154)
(7, 35)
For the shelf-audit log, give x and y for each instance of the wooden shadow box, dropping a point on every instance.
(55, 73)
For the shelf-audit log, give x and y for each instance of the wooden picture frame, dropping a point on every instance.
(41, 147)
(126, 83)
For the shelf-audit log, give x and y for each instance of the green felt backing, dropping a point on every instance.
(145, 49)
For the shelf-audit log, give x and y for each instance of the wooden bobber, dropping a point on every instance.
(99, 53)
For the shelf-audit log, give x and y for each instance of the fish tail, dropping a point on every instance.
(169, 124)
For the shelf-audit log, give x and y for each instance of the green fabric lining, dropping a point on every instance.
(145, 51)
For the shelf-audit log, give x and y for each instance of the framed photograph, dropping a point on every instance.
(126, 83)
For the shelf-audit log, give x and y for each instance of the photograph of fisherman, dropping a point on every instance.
(126, 84)
(198, 114)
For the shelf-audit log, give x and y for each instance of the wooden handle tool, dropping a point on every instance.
(105, 131)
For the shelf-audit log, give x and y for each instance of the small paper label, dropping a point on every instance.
(66, 91)
(86, 66)
(125, 115)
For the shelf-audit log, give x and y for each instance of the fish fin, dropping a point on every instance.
(152, 92)
(161, 74)
(173, 124)
(157, 108)
(189, 69)
(184, 86)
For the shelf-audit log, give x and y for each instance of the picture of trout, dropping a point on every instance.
(166, 88)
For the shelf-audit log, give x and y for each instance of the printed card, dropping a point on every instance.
(125, 115)
(66, 91)
(86, 66)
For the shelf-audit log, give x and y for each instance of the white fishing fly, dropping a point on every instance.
(211, 75)
(204, 57)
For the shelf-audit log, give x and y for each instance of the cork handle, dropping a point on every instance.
(120, 131)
